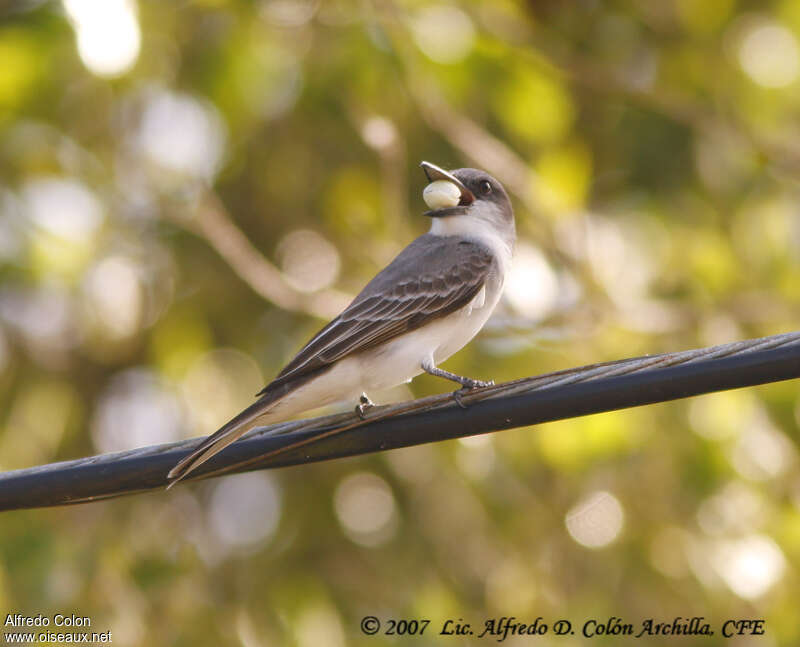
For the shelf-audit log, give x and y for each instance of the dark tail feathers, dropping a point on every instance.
(224, 436)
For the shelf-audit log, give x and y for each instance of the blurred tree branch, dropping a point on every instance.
(210, 220)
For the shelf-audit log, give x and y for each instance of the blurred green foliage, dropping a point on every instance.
(652, 150)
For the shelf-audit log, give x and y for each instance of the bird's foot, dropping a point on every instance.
(364, 403)
(468, 385)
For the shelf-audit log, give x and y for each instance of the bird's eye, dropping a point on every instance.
(486, 187)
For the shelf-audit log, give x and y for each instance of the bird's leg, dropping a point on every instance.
(364, 403)
(467, 383)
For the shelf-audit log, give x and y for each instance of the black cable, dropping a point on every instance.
(555, 396)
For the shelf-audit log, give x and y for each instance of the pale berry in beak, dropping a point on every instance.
(441, 194)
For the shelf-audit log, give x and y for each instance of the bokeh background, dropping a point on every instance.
(189, 189)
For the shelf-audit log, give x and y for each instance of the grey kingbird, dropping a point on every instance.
(424, 306)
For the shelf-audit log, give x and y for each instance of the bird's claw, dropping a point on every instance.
(468, 385)
(364, 403)
(478, 384)
(457, 395)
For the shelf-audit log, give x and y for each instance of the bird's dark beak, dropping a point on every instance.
(433, 173)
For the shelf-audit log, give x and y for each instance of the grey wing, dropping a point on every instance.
(430, 279)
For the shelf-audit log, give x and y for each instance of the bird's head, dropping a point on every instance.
(466, 195)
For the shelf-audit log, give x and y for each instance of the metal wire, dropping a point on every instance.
(563, 394)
